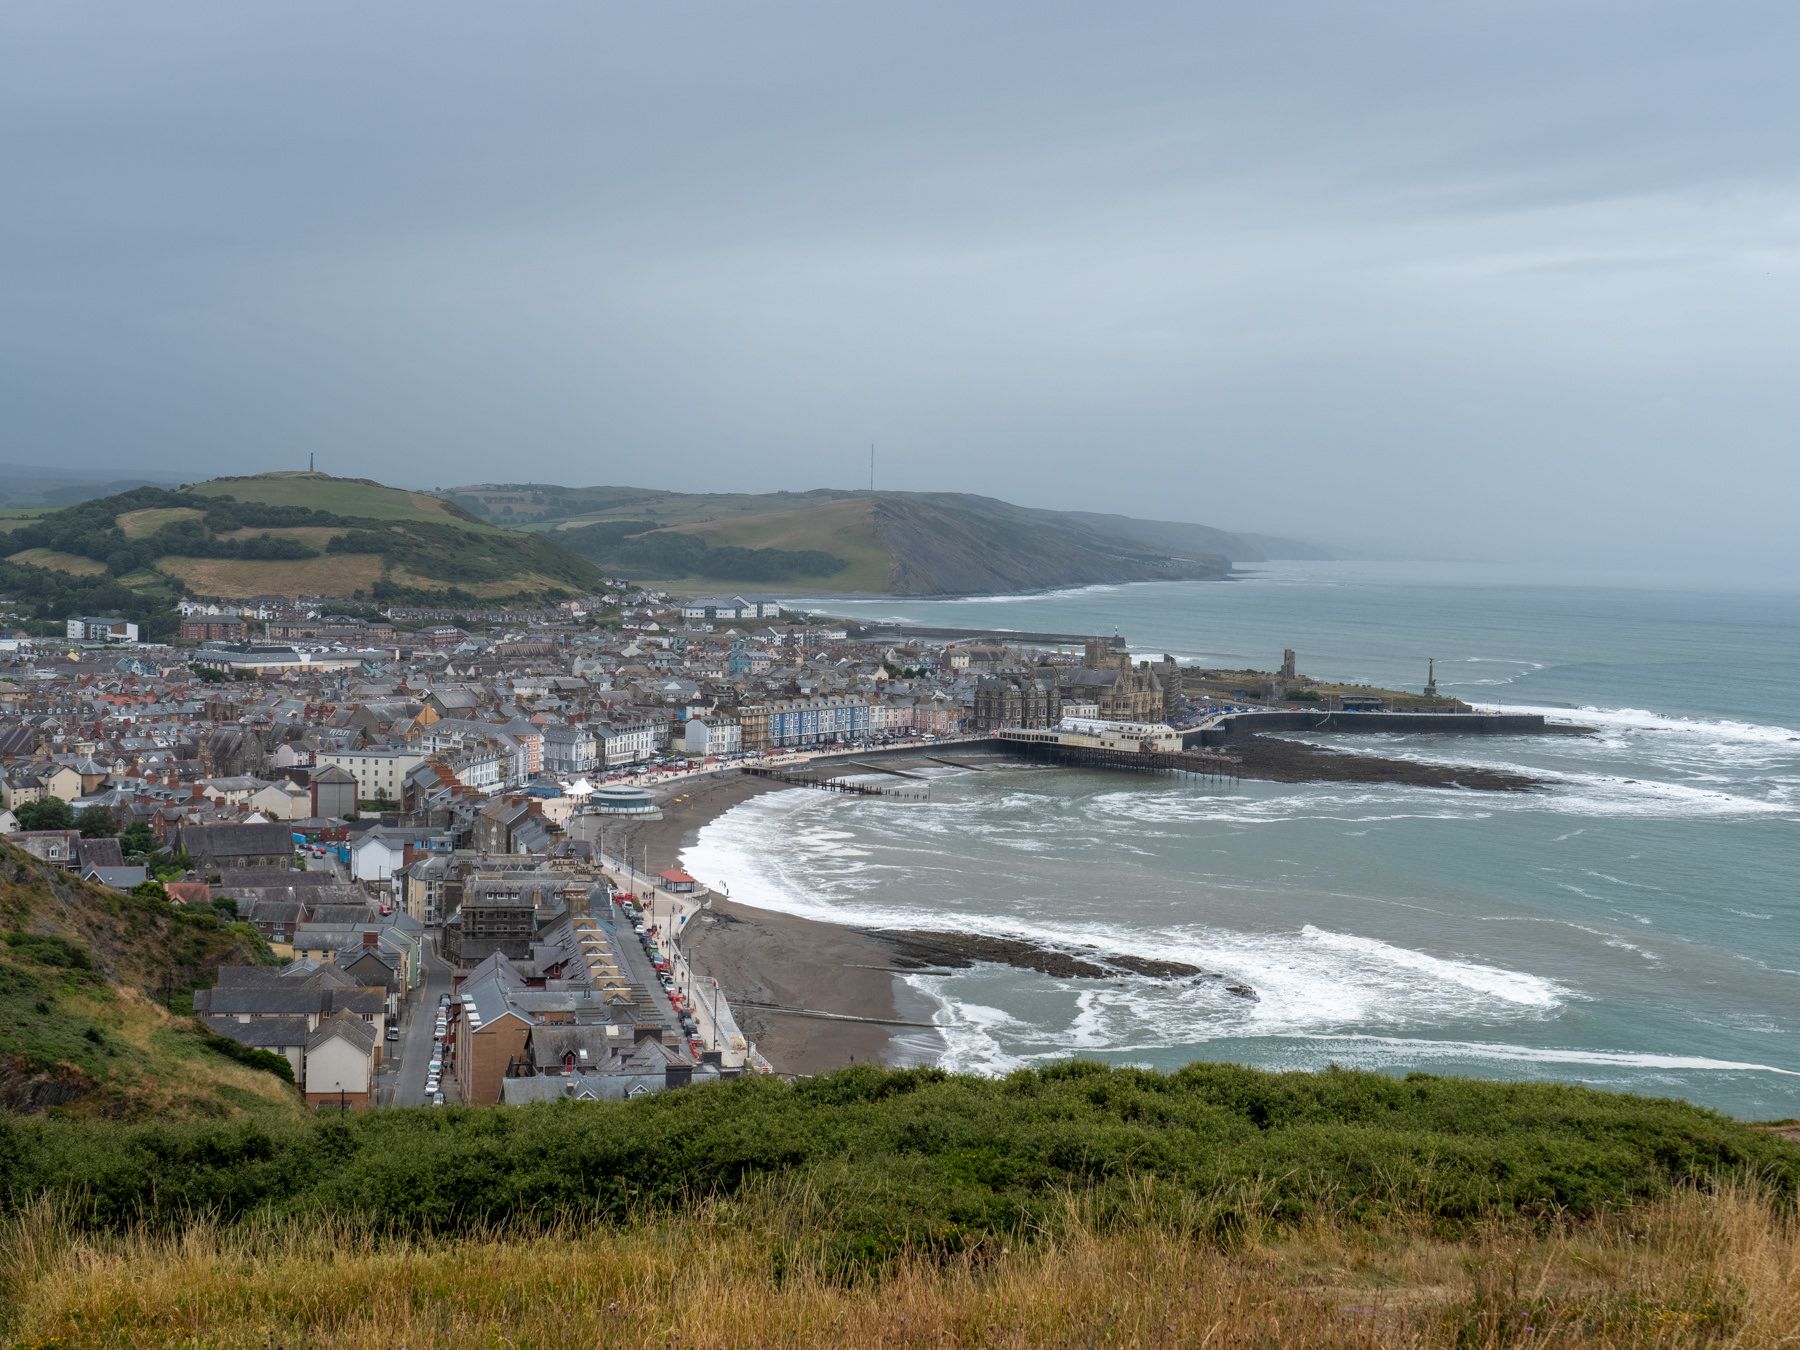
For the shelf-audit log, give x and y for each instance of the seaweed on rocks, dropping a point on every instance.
(921, 948)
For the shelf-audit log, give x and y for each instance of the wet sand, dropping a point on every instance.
(760, 956)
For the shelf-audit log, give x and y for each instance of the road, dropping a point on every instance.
(406, 1069)
(670, 913)
(328, 863)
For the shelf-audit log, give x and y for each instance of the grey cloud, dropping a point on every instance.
(1480, 278)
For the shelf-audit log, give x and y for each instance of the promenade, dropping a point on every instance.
(666, 914)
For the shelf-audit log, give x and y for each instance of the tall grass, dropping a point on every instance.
(919, 1159)
(1693, 1268)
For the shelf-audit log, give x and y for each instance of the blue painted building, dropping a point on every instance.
(803, 722)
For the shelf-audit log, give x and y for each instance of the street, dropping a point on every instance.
(410, 1056)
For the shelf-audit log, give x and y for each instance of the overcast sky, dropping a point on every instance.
(1457, 278)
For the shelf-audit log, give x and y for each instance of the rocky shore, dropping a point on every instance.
(928, 948)
(931, 949)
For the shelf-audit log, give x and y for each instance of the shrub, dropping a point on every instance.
(49, 950)
(929, 1160)
(266, 1060)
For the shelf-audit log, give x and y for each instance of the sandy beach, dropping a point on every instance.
(781, 972)
(763, 957)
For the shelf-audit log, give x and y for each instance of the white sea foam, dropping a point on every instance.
(1532, 1054)
(1310, 979)
(1600, 794)
(1030, 597)
(1703, 742)
(879, 864)
(1343, 807)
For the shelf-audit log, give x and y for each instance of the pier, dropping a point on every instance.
(1209, 764)
(921, 793)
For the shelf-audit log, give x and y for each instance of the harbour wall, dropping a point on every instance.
(1463, 724)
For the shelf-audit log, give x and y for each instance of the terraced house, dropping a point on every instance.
(802, 722)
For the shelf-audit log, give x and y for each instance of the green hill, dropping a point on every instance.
(86, 979)
(1075, 1204)
(271, 534)
(905, 543)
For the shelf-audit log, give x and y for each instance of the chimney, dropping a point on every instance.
(370, 937)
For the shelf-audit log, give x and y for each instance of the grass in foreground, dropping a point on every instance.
(1691, 1269)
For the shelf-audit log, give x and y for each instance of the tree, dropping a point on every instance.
(137, 840)
(47, 813)
(97, 822)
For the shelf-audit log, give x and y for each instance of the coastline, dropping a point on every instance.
(764, 957)
(815, 996)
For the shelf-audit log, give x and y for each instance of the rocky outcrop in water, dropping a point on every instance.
(923, 949)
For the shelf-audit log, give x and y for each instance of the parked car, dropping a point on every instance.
(393, 1033)
(437, 1099)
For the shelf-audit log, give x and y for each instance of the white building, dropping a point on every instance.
(340, 1062)
(379, 854)
(731, 608)
(378, 773)
(102, 630)
(711, 737)
(626, 742)
(480, 767)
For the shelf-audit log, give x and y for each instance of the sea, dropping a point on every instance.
(1636, 926)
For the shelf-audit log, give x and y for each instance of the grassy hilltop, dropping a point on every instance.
(270, 534)
(1073, 1205)
(902, 543)
(86, 979)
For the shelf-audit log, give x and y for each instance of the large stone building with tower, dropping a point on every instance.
(1124, 692)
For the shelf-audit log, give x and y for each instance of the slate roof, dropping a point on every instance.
(236, 841)
(341, 1025)
(264, 1033)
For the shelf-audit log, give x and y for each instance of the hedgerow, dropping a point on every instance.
(919, 1159)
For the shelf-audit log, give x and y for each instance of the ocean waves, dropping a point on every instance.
(1536, 934)
(1706, 744)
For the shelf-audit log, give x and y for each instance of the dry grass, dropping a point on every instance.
(1692, 1270)
(340, 496)
(844, 529)
(523, 583)
(142, 524)
(231, 578)
(51, 560)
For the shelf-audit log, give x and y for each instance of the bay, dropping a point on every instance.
(1636, 926)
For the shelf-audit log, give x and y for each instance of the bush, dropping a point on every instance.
(928, 1159)
(266, 1060)
(46, 949)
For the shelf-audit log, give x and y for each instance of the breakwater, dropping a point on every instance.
(1237, 725)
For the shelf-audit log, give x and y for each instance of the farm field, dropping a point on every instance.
(142, 524)
(236, 579)
(340, 496)
(50, 560)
